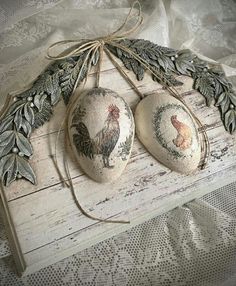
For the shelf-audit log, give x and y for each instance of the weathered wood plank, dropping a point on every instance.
(48, 223)
(87, 236)
(54, 209)
(44, 147)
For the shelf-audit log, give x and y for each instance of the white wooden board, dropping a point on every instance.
(44, 224)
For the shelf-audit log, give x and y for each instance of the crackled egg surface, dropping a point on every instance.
(169, 132)
(101, 133)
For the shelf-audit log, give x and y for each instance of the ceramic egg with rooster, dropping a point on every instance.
(101, 133)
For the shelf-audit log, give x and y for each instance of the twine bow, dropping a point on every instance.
(94, 44)
(91, 46)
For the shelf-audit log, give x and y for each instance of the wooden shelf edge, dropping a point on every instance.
(121, 228)
(11, 234)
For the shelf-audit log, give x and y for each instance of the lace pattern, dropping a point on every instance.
(191, 245)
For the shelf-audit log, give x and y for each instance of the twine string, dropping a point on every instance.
(137, 17)
(174, 92)
(139, 20)
(101, 49)
(83, 211)
(98, 45)
(68, 182)
(92, 46)
(85, 44)
(123, 73)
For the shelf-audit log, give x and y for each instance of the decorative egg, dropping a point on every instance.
(169, 132)
(101, 133)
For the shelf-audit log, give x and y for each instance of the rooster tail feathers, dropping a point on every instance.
(83, 141)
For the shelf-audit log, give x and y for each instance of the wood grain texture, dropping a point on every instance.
(47, 223)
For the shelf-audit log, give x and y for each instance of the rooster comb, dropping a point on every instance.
(113, 108)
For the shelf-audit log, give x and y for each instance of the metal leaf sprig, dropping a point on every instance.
(31, 109)
(209, 80)
(33, 106)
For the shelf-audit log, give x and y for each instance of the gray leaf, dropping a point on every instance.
(39, 100)
(29, 113)
(179, 69)
(15, 106)
(6, 123)
(72, 73)
(5, 164)
(230, 120)
(119, 53)
(12, 172)
(8, 147)
(184, 67)
(137, 69)
(48, 85)
(56, 96)
(44, 115)
(232, 97)
(27, 128)
(156, 56)
(166, 63)
(203, 83)
(6, 137)
(221, 98)
(55, 90)
(127, 63)
(162, 62)
(184, 63)
(222, 79)
(225, 104)
(23, 144)
(218, 87)
(18, 119)
(25, 170)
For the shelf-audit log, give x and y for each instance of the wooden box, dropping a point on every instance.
(43, 222)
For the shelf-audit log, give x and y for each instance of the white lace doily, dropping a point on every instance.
(191, 245)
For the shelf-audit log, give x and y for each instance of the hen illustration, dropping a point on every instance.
(104, 141)
(184, 137)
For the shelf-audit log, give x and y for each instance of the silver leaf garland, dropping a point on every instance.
(33, 107)
(211, 82)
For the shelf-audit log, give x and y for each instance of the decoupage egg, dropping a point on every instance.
(169, 132)
(101, 133)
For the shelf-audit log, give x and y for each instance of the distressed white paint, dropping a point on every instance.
(44, 218)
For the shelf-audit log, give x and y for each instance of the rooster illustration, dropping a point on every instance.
(184, 137)
(104, 141)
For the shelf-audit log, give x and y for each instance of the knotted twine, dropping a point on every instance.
(98, 44)
(92, 46)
